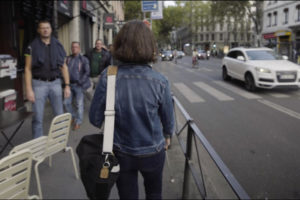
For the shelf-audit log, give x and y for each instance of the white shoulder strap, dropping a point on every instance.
(109, 123)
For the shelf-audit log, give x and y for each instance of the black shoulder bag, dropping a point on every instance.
(99, 168)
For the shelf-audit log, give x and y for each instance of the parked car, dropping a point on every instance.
(180, 54)
(167, 55)
(260, 68)
(201, 54)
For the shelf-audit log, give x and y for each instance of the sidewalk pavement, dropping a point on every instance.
(59, 182)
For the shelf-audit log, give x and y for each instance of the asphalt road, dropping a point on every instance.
(255, 134)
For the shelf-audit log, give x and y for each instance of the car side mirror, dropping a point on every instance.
(285, 57)
(241, 58)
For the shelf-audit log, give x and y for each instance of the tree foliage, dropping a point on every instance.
(133, 10)
(173, 17)
(198, 14)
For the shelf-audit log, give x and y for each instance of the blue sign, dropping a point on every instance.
(149, 6)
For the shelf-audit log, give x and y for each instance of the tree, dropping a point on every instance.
(257, 18)
(173, 17)
(133, 10)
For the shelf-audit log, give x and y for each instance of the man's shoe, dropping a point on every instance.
(76, 127)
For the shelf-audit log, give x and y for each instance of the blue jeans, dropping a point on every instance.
(43, 90)
(151, 168)
(77, 93)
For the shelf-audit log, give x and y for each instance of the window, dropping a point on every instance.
(221, 36)
(201, 37)
(212, 37)
(242, 36)
(275, 18)
(235, 37)
(270, 19)
(221, 27)
(286, 15)
(232, 54)
(235, 54)
(207, 37)
(228, 36)
(248, 37)
(298, 12)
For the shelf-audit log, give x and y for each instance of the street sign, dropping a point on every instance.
(159, 13)
(149, 6)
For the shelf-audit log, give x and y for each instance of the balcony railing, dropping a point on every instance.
(194, 146)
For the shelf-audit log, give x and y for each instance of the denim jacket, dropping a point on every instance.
(144, 114)
(79, 70)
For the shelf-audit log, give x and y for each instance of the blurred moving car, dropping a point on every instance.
(167, 55)
(201, 54)
(260, 68)
(180, 54)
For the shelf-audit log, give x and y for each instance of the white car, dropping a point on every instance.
(260, 68)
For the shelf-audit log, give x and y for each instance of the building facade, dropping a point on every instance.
(208, 34)
(281, 27)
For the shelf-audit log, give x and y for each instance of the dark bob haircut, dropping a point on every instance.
(135, 43)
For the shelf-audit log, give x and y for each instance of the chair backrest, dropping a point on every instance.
(58, 134)
(36, 146)
(15, 173)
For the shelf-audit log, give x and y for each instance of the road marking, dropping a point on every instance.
(212, 91)
(238, 91)
(278, 95)
(208, 70)
(189, 94)
(280, 108)
(189, 70)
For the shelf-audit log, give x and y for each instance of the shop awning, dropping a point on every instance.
(269, 35)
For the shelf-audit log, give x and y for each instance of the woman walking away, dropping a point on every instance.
(144, 118)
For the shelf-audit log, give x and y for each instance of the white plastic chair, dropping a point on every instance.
(15, 173)
(46, 146)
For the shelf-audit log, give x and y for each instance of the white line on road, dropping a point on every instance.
(190, 70)
(278, 95)
(217, 94)
(280, 108)
(205, 69)
(189, 94)
(238, 91)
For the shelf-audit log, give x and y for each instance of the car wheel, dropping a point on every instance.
(225, 75)
(250, 83)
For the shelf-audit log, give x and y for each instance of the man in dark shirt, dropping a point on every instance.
(79, 71)
(99, 59)
(44, 64)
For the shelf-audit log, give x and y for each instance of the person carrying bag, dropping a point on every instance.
(99, 168)
(144, 115)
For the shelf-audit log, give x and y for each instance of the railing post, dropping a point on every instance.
(187, 173)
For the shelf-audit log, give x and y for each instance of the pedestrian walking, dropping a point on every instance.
(44, 65)
(99, 59)
(144, 118)
(194, 58)
(79, 71)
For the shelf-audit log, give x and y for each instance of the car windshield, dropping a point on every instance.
(201, 51)
(263, 55)
(167, 52)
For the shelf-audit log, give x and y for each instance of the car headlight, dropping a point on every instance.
(162, 55)
(262, 70)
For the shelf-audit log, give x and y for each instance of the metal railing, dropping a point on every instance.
(194, 133)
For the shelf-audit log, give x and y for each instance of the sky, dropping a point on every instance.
(169, 3)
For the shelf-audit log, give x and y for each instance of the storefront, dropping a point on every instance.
(270, 40)
(64, 15)
(87, 19)
(18, 25)
(284, 44)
